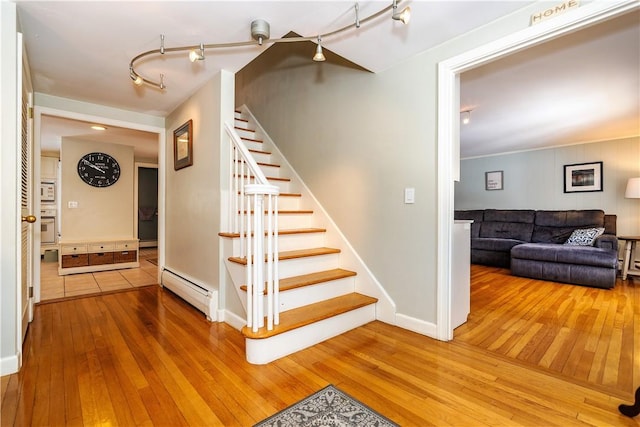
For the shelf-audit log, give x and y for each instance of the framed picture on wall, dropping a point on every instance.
(493, 180)
(183, 146)
(583, 177)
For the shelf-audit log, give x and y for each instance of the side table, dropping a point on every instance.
(629, 261)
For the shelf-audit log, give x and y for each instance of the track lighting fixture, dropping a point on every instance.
(260, 35)
(197, 55)
(319, 56)
(403, 16)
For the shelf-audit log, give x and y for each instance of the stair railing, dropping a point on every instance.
(254, 216)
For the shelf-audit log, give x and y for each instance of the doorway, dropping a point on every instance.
(147, 204)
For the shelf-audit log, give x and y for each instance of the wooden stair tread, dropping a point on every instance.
(251, 150)
(303, 316)
(286, 212)
(273, 165)
(298, 253)
(295, 282)
(269, 178)
(287, 194)
(244, 138)
(281, 232)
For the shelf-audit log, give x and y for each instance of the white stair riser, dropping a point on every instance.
(306, 295)
(262, 158)
(286, 221)
(289, 203)
(300, 266)
(289, 267)
(253, 145)
(260, 352)
(245, 133)
(288, 242)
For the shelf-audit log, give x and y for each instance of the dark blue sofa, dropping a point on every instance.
(531, 243)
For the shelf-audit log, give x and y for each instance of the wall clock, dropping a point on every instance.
(98, 169)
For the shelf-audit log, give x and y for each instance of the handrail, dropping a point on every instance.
(248, 188)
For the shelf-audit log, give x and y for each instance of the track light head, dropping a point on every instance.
(404, 16)
(465, 116)
(197, 55)
(137, 80)
(319, 56)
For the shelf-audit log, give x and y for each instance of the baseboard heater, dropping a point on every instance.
(203, 299)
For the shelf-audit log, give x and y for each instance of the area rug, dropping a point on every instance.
(327, 407)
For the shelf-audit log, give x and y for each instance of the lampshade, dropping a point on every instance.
(633, 188)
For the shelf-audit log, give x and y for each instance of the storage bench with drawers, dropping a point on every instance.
(102, 255)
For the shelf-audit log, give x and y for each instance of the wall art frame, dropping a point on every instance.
(494, 180)
(183, 146)
(583, 177)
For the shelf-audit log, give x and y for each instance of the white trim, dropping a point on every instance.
(417, 325)
(448, 107)
(233, 319)
(11, 364)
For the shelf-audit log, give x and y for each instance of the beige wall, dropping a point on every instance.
(193, 217)
(102, 213)
(358, 139)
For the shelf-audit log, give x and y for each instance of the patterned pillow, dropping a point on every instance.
(584, 237)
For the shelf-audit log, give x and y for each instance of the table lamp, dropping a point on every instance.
(633, 189)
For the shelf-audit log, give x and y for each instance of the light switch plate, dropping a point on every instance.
(409, 195)
(72, 205)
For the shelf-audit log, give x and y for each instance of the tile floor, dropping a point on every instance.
(53, 286)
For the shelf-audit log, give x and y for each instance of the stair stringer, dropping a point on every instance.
(365, 281)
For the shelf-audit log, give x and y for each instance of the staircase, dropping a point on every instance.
(317, 296)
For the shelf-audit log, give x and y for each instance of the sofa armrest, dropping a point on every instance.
(606, 241)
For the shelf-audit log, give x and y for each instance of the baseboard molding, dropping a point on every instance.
(416, 325)
(234, 320)
(10, 365)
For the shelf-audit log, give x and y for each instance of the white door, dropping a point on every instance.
(26, 195)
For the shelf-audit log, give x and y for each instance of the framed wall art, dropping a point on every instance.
(583, 177)
(183, 146)
(493, 180)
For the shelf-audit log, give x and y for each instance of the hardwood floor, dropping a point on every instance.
(587, 334)
(145, 357)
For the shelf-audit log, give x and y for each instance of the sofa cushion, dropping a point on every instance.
(506, 230)
(557, 226)
(503, 215)
(494, 244)
(551, 252)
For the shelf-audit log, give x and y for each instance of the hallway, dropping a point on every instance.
(55, 287)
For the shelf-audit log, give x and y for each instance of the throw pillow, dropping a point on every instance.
(584, 237)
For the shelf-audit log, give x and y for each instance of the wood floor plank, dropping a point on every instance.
(146, 357)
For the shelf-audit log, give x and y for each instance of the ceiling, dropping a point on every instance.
(582, 87)
(82, 50)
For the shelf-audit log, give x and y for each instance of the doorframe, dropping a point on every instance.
(137, 166)
(448, 121)
(39, 111)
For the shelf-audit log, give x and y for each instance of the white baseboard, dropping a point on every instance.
(416, 325)
(10, 365)
(234, 320)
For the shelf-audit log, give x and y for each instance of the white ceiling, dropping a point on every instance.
(82, 50)
(583, 87)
